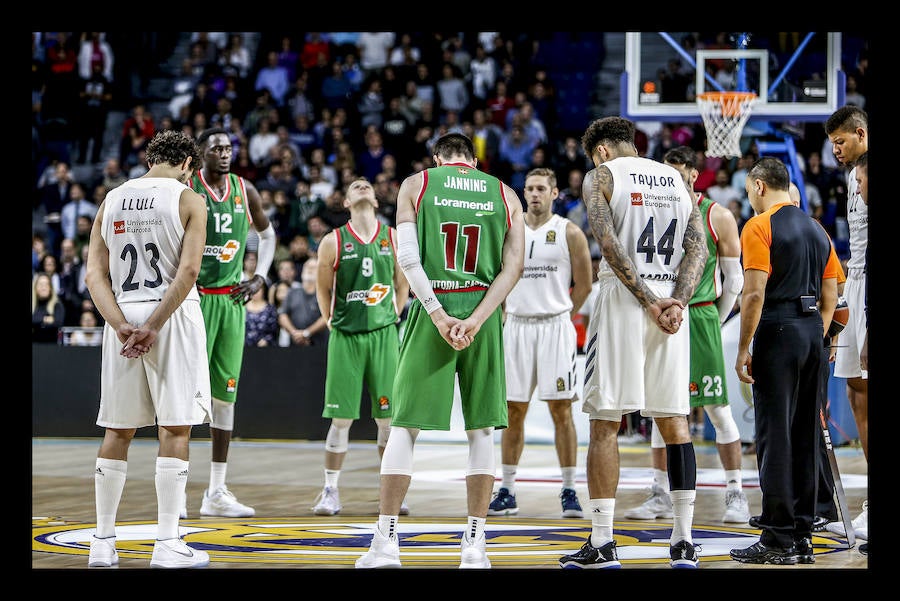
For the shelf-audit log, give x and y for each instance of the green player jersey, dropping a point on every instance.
(462, 223)
(710, 282)
(227, 226)
(363, 298)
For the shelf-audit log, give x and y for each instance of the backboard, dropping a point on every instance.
(797, 76)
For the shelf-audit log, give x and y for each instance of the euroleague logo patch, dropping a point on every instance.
(424, 542)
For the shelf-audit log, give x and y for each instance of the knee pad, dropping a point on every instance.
(481, 452)
(398, 456)
(222, 417)
(338, 438)
(723, 421)
(384, 430)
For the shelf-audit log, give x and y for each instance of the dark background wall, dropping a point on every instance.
(280, 395)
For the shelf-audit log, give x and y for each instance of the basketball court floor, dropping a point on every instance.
(281, 479)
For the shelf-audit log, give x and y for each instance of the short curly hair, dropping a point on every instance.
(172, 147)
(608, 130)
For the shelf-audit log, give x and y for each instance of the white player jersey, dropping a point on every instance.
(143, 231)
(651, 208)
(543, 289)
(858, 222)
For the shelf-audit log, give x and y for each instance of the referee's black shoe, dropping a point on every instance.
(805, 552)
(760, 553)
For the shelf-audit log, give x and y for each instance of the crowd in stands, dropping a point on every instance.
(307, 113)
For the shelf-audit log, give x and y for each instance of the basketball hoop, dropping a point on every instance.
(724, 116)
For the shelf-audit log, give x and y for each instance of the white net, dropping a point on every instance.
(724, 116)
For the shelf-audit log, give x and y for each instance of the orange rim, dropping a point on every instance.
(730, 102)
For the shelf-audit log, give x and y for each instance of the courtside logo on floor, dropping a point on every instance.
(424, 542)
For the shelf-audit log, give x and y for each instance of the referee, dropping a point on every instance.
(790, 292)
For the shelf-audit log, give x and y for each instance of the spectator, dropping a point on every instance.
(500, 103)
(112, 175)
(404, 48)
(482, 74)
(674, 82)
(50, 266)
(78, 205)
(371, 105)
(140, 119)
(83, 224)
(335, 214)
(544, 104)
(852, 94)
(353, 73)
(319, 187)
(38, 250)
(299, 252)
(299, 316)
(451, 90)
(335, 89)
(236, 56)
(531, 123)
(95, 51)
(69, 264)
(515, 157)
(261, 142)
(262, 320)
(425, 83)
(707, 175)
(47, 310)
(96, 99)
(141, 166)
(274, 78)
(302, 135)
(279, 214)
(486, 139)
(831, 188)
(374, 50)
(738, 211)
(53, 196)
(89, 333)
(299, 101)
(131, 146)
(318, 227)
(244, 166)
(328, 172)
(314, 45)
(303, 205)
(369, 160)
(289, 56)
(411, 102)
(721, 191)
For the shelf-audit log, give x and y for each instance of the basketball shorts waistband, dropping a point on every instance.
(537, 318)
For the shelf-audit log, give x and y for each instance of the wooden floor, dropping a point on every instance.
(281, 479)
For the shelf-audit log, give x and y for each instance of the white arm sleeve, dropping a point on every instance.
(411, 263)
(266, 252)
(731, 287)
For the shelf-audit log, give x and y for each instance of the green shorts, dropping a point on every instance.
(425, 382)
(226, 324)
(354, 359)
(709, 384)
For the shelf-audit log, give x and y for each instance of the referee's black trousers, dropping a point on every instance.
(790, 369)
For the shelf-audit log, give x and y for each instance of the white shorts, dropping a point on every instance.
(846, 360)
(540, 352)
(630, 364)
(169, 385)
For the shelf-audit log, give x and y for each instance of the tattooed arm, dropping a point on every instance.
(694, 260)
